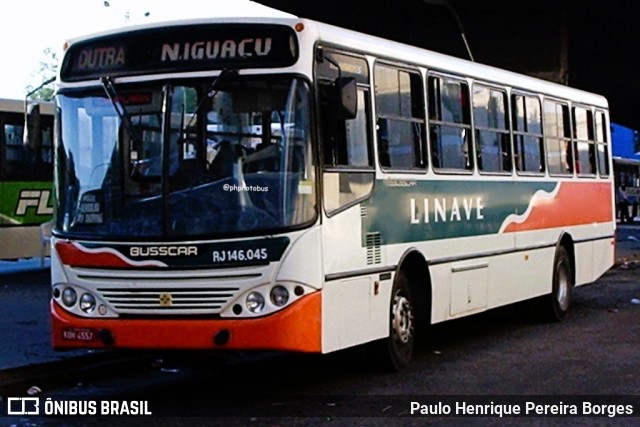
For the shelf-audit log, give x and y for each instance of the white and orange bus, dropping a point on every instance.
(289, 185)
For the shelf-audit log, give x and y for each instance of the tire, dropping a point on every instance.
(556, 304)
(397, 348)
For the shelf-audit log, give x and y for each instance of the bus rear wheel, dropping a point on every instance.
(556, 304)
(398, 346)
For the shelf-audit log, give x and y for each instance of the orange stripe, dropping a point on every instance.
(575, 203)
(296, 328)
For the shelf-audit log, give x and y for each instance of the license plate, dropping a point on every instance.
(78, 334)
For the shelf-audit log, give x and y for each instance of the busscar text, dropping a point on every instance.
(140, 251)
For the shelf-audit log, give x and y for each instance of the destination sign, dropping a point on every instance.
(181, 48)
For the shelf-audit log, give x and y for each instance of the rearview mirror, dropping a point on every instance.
(347, 97)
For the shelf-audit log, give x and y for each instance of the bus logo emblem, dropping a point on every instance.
(23, 406)
(166, 300)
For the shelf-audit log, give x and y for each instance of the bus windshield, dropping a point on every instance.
(185, 159)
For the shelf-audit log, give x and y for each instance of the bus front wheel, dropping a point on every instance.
(398, 346)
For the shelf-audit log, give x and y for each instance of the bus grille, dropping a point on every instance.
(168, 292)
(146, 300)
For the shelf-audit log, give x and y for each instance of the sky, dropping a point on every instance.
(29, 27)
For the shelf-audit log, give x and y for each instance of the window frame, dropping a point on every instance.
(325, 168)
(590, 140)
(507, 131)
(422, 149)
(320, 80)
(606, 143)
(515, 133)
(465, 83)
(568, 157)
(35, 166)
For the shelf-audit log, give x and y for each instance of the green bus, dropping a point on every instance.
(26, 171)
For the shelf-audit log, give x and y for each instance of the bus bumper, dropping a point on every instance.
(296, 328)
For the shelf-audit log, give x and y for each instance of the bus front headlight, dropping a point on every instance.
(87, 303)
(279, 295)
(255, 302)
(69, 297)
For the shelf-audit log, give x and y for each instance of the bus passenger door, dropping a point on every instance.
(347, 179)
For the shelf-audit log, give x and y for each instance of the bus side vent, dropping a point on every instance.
(363, 211)
(373, 248)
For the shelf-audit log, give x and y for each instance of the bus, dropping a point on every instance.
(626, 170)
(26, 174)
(386, 187)
(627, 176)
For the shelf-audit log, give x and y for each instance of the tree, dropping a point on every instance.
(47, 72)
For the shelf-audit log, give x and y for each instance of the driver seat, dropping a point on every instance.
(222, 164)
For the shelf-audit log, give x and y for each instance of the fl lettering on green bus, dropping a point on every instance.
(35, 199)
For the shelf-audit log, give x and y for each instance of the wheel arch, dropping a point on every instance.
(416, 268)
(566, 241)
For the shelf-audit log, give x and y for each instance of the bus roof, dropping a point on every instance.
(392, 51)
(626, 161)
(17, 106)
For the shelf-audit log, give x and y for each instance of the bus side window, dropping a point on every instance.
(527, 134)
(450, 124)
(558, 138)
(345, 142)
(15, 152)
(26, 161)
(22, 162)
(399, 119)
(345, 139)
(348, 165)
(584, 143)
(601, 143)
(493, 144)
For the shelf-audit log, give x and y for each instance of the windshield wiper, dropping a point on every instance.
(112, 94)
